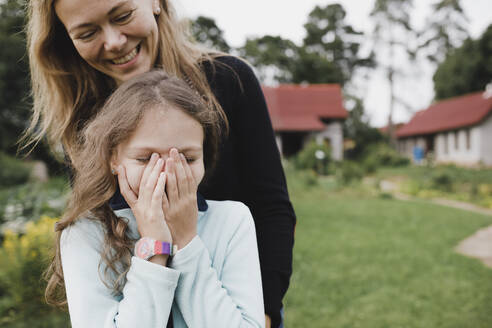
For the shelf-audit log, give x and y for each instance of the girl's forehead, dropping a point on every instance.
(160, 130)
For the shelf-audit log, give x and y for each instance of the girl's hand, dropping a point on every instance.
(147, 206)
(180, 206)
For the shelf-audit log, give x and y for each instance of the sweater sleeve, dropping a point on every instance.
(147, 295)
(265, 190)
(234, 299)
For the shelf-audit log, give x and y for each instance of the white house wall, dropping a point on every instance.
(486, 141)
(459, 153)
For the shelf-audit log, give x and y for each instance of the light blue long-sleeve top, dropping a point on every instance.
(214, 281)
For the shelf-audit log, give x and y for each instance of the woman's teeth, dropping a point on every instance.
(125, 59)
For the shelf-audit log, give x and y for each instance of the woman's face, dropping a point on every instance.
(116, 37)
(159, 131)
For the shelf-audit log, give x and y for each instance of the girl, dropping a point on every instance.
(159, 137)
(79, 51)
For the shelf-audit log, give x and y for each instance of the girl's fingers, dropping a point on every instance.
(190, 179)
(147, 188)
(156, 203)
(165, 201)
(148, 169)
(180, 173)
(126, 191)
(171, 183)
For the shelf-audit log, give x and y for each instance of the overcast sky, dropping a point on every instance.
(242, 19)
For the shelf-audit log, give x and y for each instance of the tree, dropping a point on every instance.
(15, 100)
(392, 39)
(275, 58)
(466, 69)
(14, 75)
(330, 39)
(357, 128)
(445, 30)
(206, 32)
(329, 53)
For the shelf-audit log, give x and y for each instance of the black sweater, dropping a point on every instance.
(249, 170)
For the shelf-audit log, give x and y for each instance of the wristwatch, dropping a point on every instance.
(147, 247)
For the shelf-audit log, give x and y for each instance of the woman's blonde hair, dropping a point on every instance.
(94, 184)
(67, 91)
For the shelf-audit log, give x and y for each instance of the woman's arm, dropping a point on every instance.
(147, 296)
(229, 298)
(265, 189)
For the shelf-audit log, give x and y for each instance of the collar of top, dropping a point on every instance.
(118, 202)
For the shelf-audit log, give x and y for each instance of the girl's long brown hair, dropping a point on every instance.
(67, 91)
(94, 184)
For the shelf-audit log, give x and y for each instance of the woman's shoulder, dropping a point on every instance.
(227, 61)
(228, 67)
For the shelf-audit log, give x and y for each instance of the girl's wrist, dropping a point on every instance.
(183, 242)
(160, 259)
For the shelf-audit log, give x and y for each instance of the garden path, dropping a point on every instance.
(478, 245)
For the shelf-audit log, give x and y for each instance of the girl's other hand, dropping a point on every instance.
(180, 207)
(147, 206)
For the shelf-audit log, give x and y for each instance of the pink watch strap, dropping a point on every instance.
(161, 247)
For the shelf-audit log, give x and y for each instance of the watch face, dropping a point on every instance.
(144, 248)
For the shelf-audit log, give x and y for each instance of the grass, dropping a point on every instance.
(363, 261)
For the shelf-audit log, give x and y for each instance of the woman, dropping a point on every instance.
(79, 52)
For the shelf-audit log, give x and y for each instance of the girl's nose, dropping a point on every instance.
(114, 39)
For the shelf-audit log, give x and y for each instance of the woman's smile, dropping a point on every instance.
(128, 59)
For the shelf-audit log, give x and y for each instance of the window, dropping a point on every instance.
(468, 139)
(456, 140)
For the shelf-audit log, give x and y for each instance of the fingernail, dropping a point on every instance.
(182, 156)
(159, 161)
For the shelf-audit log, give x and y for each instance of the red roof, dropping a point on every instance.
(449, 114)
(300, 108)
(396, 126)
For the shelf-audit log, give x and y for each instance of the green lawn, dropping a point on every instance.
(361, 261)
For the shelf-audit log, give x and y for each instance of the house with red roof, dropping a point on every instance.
(456, 130)
(301, 112)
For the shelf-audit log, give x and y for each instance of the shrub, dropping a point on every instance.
(315, 157)
(31, 200)
(348, 172)
(442, 180)
(381, 154)
(22, 262)
(13, 171)
(370, 164)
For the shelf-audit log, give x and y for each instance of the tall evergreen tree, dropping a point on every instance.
(446, 29)
(393, 35)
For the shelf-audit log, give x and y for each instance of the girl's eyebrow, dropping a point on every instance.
(110, 12)
(151, 150)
